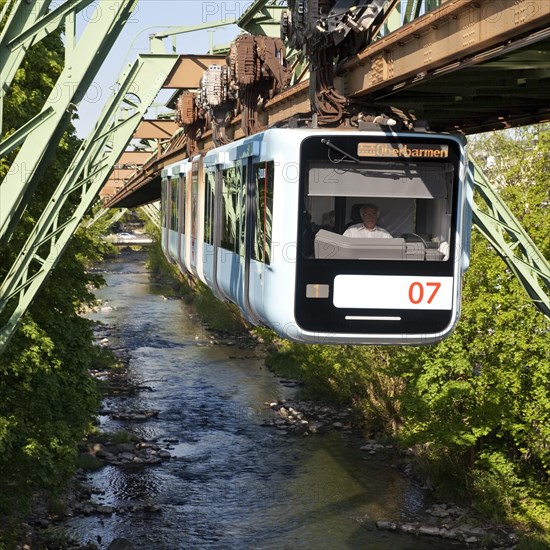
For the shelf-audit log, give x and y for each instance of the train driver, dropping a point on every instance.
(367, 228)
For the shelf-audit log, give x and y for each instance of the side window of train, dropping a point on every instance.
(194, 198)
(233, 208)
(183, 191)
(174, 204)
(263, 185)
(241, 168)
(210, 186)
(230, 208)
(164, 201)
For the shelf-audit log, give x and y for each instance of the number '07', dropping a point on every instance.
(417, 292)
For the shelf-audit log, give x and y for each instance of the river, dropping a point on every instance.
(231, 483)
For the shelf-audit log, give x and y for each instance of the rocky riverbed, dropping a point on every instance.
(200, 446)
(287, 417)
(442, 520)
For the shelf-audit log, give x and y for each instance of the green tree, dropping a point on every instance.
(48, 398)
(479, 402)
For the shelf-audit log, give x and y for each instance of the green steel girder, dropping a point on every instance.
(152, 211)
(85, 176)
(31, 22)
(17, 138)
(102, 212)
(28, 23)
(87, 56)
(156, 44)
(505, 233)
(263, 17)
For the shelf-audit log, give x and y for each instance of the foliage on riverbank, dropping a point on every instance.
(48, 399)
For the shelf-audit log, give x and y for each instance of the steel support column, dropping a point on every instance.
(152, 212)
(505, 233)
(104, 211)
(80, 185)
(71, 87)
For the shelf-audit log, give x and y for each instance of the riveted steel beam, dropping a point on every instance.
(80, 186)
(74, 81)
(28, 23)
(442, 40)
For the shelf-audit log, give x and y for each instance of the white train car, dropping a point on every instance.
(261, 222)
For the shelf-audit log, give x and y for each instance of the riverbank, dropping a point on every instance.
(288, 417)
(236, 442)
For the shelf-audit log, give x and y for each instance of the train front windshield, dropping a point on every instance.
(377, 233)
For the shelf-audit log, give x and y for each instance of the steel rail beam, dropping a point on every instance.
(84, 177)
(70, 89)
(441, 40)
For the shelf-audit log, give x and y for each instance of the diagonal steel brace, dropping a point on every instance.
(74, 81)
(56, 226)
(505, 233)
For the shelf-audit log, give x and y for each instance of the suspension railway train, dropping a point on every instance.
(261, 222)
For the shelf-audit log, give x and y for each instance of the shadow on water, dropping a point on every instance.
(231, 483)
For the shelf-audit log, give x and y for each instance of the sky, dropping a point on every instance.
(150, 17)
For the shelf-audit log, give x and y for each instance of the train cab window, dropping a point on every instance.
(413, 199)
(263, 184)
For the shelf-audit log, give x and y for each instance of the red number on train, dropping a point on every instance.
(436, 287)
(420, 293)
(416, 292)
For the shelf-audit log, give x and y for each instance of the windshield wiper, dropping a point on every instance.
(341, 151)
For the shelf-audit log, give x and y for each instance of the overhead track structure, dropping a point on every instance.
(469, 66)
(466, 66)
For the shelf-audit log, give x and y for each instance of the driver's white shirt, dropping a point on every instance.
(359, 231)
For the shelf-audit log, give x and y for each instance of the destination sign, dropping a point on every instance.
(402, 150)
